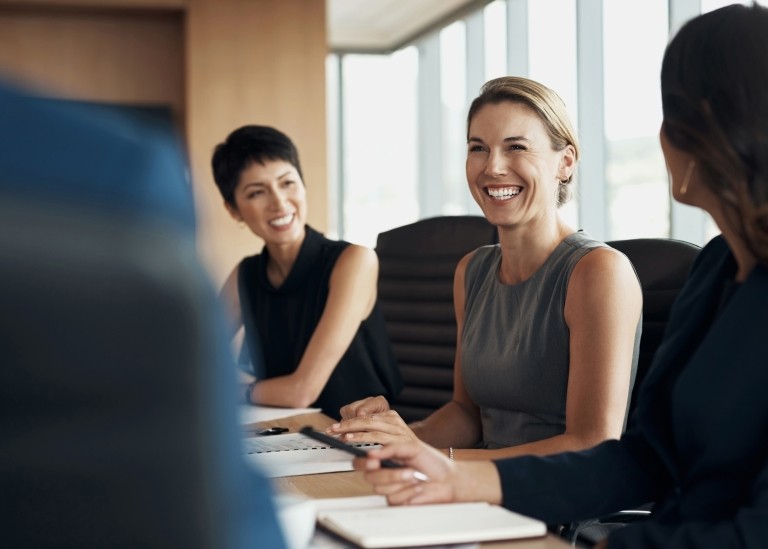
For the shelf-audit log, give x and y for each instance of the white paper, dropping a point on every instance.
(254, 414)
(324, 540)
(294, 454)
(429, 525)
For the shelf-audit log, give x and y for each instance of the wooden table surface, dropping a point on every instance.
(351, 483)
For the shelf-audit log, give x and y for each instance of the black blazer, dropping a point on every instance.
(698, 445)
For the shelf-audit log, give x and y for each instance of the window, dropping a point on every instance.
(378, 144)
(635, 35)
(552, 61)
(403, 115)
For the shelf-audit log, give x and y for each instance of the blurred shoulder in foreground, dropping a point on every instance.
(115, 386)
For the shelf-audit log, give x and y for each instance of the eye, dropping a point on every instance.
(517, 147)
(476, 148)
(253, 194)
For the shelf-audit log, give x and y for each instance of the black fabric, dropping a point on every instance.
(279, 323)
(696, 446)
(417, 264)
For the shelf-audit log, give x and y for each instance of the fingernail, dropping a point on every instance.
(335, 426)
(349, 436)
(418, 475)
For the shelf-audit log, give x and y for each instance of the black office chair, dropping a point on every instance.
(417, 263)
(662, 265)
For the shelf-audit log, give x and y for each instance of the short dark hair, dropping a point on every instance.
(243, 147)
(714, 94)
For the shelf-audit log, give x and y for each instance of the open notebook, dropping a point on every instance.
(424, 525)
(295, 454)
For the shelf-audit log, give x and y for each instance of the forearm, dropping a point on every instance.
(478, 481)
(286, 391)
(547, 446)
(451, 425)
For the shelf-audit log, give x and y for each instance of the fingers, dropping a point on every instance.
(404, 486)
(384, 428)
(365, 407)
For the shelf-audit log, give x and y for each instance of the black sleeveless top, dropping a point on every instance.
(279, 323)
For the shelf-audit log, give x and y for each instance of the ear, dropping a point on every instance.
(233, 211)
(567, 163)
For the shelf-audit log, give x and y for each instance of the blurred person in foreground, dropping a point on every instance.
(698, 447)
(118, 427)
(308, 303)
(531, 374)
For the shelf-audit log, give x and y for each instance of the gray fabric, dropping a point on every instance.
(515, 344)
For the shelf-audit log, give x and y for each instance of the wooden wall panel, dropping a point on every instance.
(124, 56)
(218, 63)
(254, 62)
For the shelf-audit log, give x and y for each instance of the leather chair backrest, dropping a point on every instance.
(662, 265)
(417, 264)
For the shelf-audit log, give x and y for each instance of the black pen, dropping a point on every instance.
(272, 431)
(336, 443)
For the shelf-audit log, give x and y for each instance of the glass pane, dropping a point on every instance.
(638, 194)
(495, 24)
(552, 58)
(379, 143)
(709, 5)
(453, 93)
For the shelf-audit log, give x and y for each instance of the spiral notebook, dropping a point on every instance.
(426, 525)
(295, 454)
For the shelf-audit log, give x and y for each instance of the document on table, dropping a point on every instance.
(296, 454)
(254, 414)
(427, 525)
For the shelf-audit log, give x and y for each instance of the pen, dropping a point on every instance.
(336, 443)
(273, 431)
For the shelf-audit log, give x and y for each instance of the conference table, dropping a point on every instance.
(351, 483)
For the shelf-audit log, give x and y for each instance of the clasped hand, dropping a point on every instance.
(371, 420)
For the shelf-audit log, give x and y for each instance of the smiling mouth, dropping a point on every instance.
(503, 193)
(282, 221)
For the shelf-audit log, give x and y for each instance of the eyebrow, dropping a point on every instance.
(262, 184)
(514, 138)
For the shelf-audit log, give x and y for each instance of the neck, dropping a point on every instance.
(524, 251)
(745, 259)
(281, 260)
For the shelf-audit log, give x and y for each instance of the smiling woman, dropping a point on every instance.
(308, 304)
(548, 320)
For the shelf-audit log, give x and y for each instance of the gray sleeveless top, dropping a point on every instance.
(515, 344)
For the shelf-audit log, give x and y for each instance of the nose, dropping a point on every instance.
(278, 200)
(495, 166)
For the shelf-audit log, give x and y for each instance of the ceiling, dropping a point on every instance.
(386, 25)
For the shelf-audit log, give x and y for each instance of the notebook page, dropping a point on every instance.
(421, 525)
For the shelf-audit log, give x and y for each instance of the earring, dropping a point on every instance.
(687, 178)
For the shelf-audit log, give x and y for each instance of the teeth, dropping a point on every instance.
(506, 192)
(280, 221)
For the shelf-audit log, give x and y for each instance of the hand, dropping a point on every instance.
(365, 407)
(382, 428)
(400, 486)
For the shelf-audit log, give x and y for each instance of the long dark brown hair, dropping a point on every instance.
(714, 90)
